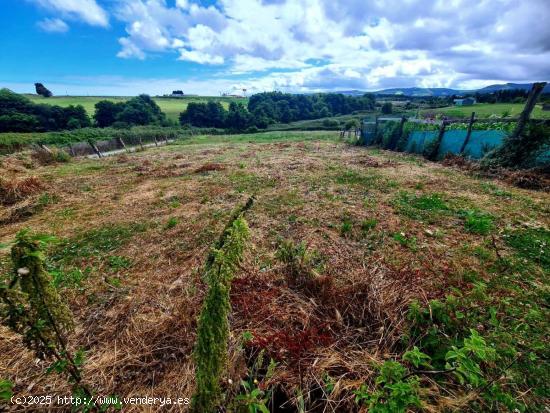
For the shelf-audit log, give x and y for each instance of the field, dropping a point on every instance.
(485, 110)
(401, 254)
(171, 106)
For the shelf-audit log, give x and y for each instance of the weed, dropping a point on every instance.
(368, 225)
(6, 391)
(477, 222)
(394, 393)
(172, 222)
(72, 278)
(298, 261)
(47, 199)
(118, 263)
(404, 240)
(346, 227)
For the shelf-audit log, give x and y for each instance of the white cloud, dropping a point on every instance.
(53, 25)
(87, 11)
(304, 45)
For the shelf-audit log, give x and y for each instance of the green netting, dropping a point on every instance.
(419, 139)
(480, 141)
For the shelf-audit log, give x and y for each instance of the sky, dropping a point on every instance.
(127, 47)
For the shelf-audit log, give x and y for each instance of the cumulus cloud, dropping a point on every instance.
(53, 25)
(87, 11)
(306, 45)
(360, 44)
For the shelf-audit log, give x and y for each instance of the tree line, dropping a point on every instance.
(273, 107)
(19, 114)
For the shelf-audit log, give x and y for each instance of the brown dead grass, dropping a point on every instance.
(15, 190)
(207, 167)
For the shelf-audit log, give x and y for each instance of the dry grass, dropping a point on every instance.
(16, 190)
(139, 331)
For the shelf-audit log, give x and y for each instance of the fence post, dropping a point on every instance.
(72, 151)
(375, 140)
(468, 133)
(536, 90)
(432, 153)
(395, 140)
(96, 149)
(121, 143)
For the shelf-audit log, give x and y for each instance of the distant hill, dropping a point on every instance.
(420, 91)
(441, 91)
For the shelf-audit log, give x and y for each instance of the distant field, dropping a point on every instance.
(485, 110)
(171, 106)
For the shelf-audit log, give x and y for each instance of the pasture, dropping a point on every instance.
(403, 253)
(171, 106)
(487, 110)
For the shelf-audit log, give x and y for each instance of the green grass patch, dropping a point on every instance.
(532, 244)
(477, 222)
(421, 207)
(96, 242)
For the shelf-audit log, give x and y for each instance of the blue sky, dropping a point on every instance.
(126, 47)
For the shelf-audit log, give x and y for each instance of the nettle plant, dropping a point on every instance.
(31, 306)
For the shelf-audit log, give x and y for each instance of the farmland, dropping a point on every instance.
(486, 110)
(409, 260)
(170, 106)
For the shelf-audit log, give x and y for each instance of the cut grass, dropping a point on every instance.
(136, 288)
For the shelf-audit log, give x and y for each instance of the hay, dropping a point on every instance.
(16, 190)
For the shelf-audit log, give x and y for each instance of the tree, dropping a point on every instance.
(387, 108)
(106, 112)
(42, 90)
(238, 117)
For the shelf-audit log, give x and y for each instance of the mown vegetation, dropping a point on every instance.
(371, 280)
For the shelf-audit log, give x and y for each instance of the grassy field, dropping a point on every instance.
(366, 272)
(171, 106)
(485, 110)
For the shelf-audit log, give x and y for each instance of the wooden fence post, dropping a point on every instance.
(468, 133)
(96, 149)
(536, 90)
(156, 142)
(72, 151)
(432, 153)
(375, 140)
(121, 143)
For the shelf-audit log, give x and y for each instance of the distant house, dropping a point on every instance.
(177, 94)
(464, 102)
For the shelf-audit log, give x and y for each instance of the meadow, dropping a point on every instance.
(370, 277)
(487, 110)
(172, 107)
